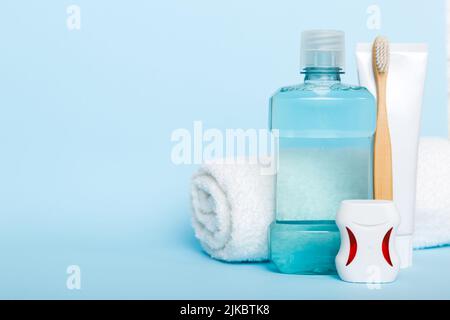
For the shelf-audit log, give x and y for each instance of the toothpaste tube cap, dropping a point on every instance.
(404, 246)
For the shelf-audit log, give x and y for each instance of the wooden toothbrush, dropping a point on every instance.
(383, 185)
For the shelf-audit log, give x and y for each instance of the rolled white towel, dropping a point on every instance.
(433, 194)
(233, 205)
(232, 209)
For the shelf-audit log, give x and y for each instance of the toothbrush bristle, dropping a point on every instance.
(381, 52)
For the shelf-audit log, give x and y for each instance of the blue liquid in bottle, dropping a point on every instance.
(326, 132)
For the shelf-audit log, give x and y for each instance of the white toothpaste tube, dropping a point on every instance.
(405, 86)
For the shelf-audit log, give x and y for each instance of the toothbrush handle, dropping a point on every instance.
(383, 182)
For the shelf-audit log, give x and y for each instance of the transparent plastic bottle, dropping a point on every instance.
(326, 132)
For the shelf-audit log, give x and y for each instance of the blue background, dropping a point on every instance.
(85, 123)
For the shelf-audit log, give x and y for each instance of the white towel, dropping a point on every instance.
(233, 208)
(433, 194)
(233, 205)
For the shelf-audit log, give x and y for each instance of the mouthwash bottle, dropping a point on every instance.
(326, 131)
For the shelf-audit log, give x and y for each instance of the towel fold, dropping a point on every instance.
(233, 208)
(233, 205)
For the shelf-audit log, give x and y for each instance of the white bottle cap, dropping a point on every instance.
(323, 49)
(404, 246)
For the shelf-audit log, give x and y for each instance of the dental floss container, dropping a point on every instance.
(368, 253)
